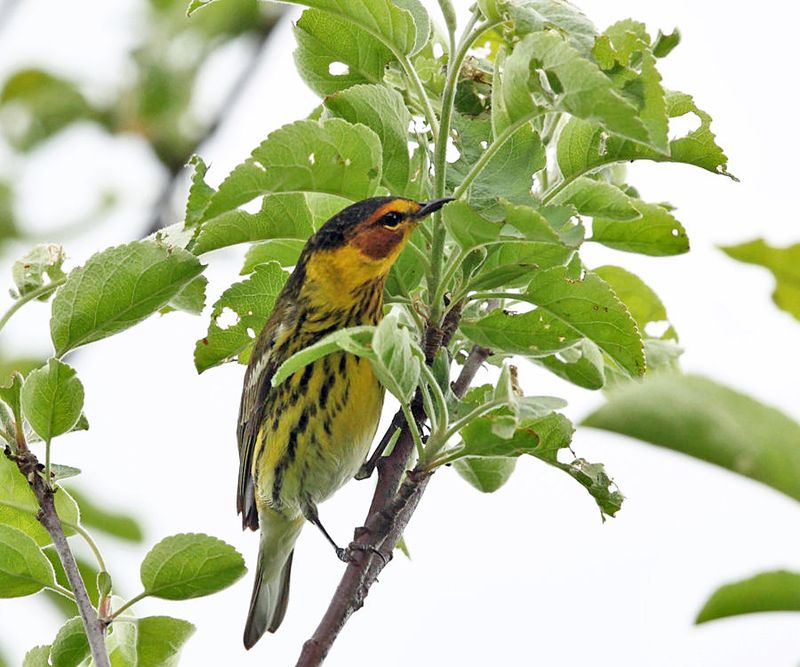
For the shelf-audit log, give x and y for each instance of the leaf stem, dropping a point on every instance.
(30, 296)
(471, 33)
(58, 588)
(412, 425)
(129, 604)
(91, 543)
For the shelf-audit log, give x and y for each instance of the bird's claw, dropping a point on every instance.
(346, 555)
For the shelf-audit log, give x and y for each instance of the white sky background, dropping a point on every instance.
(529, 575)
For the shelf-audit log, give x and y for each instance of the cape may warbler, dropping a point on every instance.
(301, 441)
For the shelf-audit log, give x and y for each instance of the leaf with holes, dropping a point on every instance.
(284, 215)
(544, 73)
(784, 263)
(384, 20)
(382, 110)
(24, 569)
(656, 232)
(585, 146)
(250, 302)
(330, 156)
(589, 308)
(200, 192)
(116, 289)
(333, 54)
(43, 261)
(190, 565)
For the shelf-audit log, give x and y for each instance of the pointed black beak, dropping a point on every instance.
(429, 207)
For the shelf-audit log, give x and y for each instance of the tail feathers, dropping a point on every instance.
(268, 603)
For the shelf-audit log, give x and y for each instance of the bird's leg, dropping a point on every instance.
(312, 516)
(344, 555)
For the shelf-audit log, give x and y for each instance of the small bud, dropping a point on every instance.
(104, 584)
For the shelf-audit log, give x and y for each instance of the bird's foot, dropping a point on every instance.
(346, 555)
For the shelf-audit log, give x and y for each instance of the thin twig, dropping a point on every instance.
(30, 467)
(396, 497)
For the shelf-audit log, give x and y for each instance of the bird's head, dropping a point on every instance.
(363, 241)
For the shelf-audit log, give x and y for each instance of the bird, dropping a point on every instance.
(303, 439)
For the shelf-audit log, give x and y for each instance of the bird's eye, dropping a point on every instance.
(391, 220)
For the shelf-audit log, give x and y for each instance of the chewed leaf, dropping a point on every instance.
(42, 262)
(330, 156)
(585, 146)
(248, 305)
(333, 54)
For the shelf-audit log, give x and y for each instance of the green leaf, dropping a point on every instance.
(190, 565)
(121, 644)
(467, 227)
(24, 570)
(191, 299)
(49, 102)
(382, 110)
(585, 146)
(487, 474)
(99, 517)
(656, 233)
(588, 308)
(10, 395)
(623, 52)
(598, 199)
(52, 399)
(88, 572)
(333, 54)
(664, 44)
(642, 302)
(160, 640)
(768, 591)
(200, 192)
(285, 215)
(382, 19)
(251, 302)
(528, 334)
(330, 156)
(539, 437)
(70, 647)
(582, 365)
(18, 506)
(116, 289)
(285, 252)
(508, 172)
(38, 656)
(784, 264)
(397, 358)
(30, 270)
(545, 72)
(537, 15)
(693, 415)
(355, 340)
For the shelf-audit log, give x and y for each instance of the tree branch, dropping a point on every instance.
(396, 497)
(30, 467)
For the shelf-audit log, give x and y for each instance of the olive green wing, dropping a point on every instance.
(255, 398)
